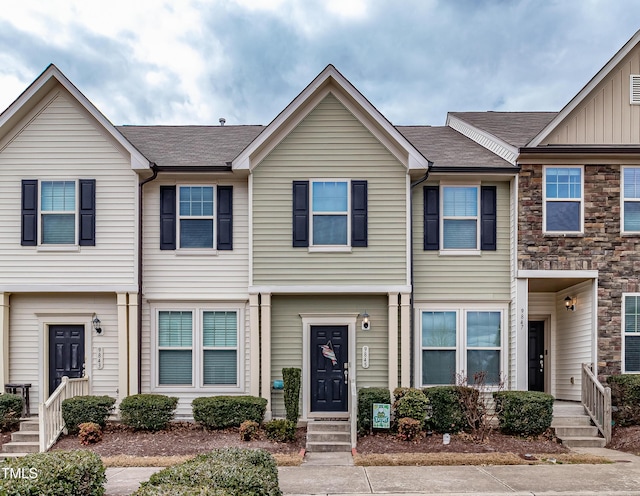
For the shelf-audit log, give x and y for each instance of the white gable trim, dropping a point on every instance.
(485, 139)
(584, 92)
(138, 161)
(353, 100)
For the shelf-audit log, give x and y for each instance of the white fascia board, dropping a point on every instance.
(70, 288)
(557, 274)
(485, 139)
(319, 289)
(584, 92)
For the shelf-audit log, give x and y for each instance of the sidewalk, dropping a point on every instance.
(320, 477)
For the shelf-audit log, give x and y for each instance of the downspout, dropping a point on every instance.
(411, 319)
(154, 169)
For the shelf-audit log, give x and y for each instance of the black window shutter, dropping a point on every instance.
(87, 220)
(488, 218)
(167, 217)
(300, 213)
(431, 217)
(29, 212)
(225, 218)
(358, 213)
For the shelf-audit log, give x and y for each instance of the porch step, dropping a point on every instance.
(573, 427)
(23, 441)
(6, 456)
(21, 447)
(328, 436)
(25, 436)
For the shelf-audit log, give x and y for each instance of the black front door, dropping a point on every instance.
(536, 355)
(66, 353)
(329, 357)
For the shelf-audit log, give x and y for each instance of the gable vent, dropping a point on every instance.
(635, 89)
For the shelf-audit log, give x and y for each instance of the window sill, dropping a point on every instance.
(460, 253)
(329, 249)
(198, 252)
(58, 248)
(563, 235)
(199, 389)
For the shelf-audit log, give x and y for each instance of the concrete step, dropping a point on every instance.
(21, 447)
(29, 425)
(566, 420)
(576, 431)
(6, 456)
(25, 436)
(584, 442)
(328, 437)
(328, 426)
(321, 447)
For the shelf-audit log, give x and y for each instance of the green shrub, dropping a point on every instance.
(409, 428)
(625, 397)
(446, 412)
(280, 430)
(219, 412)
(291, 377)
(524, 413)
(90, 433)
(10, 410)
(80, 473)
(150, 412)
(411, 404)
(223, 472)
(366, 398)
(81, 409)
(249, 430)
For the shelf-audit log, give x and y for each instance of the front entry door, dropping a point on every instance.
(329, 358)
(66, 353)
(536, 355)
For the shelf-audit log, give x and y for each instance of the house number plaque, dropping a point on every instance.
(365, 357)
(100, 357)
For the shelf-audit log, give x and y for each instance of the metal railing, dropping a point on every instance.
(596, 400)
(50, 412)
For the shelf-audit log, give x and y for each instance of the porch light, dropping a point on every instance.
(366, 325)
(570, 303)
(96, 324)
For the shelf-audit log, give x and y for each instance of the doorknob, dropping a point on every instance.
(541, 364)
(346, 373)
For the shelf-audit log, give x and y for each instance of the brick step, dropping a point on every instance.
(25, 436)
(584, 442)
(21, 447)
(320, 447)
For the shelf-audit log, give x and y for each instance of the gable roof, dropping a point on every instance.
(331, 80)
(43, 84)
(586, 90)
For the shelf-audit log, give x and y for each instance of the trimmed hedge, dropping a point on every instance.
(524, 413)
(10, 410)
(411, 403)
(81, 409)
(366, 398)
(447, 412)
(291, 377)
(80, 473)
(219, 412)
(625, 397)
(280, 430)
(150, 412)
(223, 472)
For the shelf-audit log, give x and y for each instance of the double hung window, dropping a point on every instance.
(630, 199)
(460, 218)
(330, 213)
(563, 199)
(196, 216)
(631, 333)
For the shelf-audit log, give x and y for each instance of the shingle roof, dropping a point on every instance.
(515, 128)
(446, 147)
(190, 145)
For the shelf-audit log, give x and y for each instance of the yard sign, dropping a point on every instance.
(381, 415)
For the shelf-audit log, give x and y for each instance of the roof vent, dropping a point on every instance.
(635, 89)
(222, 120)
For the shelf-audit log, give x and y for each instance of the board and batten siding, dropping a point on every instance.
(29, 315)
(287, 337)
(329, 143)
(484, 277)
(194, 274)
(62, 142)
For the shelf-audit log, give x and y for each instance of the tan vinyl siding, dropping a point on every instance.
(456, 278)
(178, 275)
(606, 115)
(286, 334)
(29, 315)
(62, 142)
(329, 143)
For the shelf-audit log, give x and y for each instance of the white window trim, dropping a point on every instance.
(329, 248)
(197, 372)
(545, 199)
(457, 251)
(53, 246)
(623, 199)
(623, 366)
(200, 250)
(461, 310)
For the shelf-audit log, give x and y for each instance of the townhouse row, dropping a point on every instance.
(201, 260)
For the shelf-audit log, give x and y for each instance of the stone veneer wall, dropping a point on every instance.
(601, 248)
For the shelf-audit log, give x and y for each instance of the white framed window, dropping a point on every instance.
(459, 342)
(58, 211)
(460, 214)
(563, 199)
(631, 333)
(630, 217)
(330, 205)
(198, 347)
(196, 216)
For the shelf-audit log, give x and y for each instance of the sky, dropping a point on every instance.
(176, 62)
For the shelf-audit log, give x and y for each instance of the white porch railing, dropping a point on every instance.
(50, 412)
(354, 415)
(596, 399)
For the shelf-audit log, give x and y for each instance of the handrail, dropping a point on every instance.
(354, 414)
(50, 412)
(596, 400)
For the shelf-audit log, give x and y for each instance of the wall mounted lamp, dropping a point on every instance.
(366, 324)
(570, 303)
(96, 324)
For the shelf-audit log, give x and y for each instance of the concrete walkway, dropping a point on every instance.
(320, 476)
